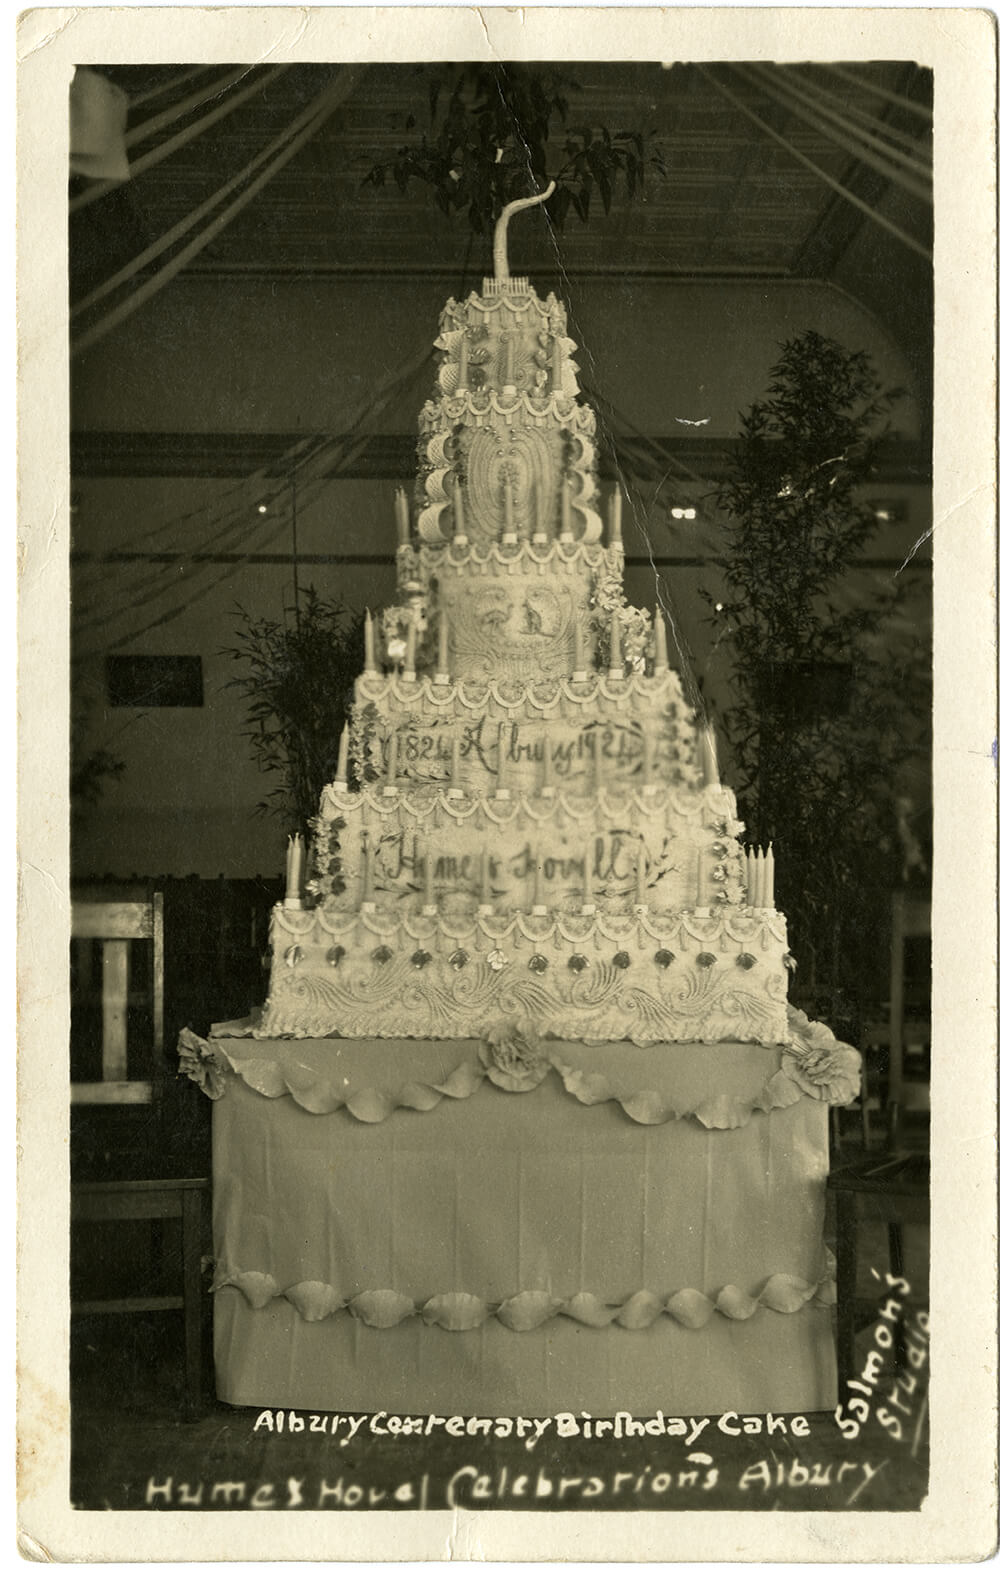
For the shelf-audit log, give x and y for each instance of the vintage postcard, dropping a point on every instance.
(507, 842)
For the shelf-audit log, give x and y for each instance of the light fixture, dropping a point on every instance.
(686, 514)
(888, 509)
(262, 507)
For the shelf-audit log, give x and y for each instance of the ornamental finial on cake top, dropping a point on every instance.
(501, 271)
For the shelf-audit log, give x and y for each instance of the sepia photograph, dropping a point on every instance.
(495, 926)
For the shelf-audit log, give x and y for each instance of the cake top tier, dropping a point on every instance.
(506, 449)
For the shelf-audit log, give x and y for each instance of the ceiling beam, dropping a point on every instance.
(213, 455)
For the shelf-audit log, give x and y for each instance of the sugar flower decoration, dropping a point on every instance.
(822, 1066)
(200, 1064)
(511, 1058)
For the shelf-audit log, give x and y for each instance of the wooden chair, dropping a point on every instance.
(117, 923)
(892, 1183)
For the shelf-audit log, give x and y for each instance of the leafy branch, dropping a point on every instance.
(830, 705)
(297, 685)
(487, 144)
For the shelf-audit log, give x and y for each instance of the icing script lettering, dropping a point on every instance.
(429, 751)
(612, 861)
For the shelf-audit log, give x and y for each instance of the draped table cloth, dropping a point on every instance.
(501, 1229)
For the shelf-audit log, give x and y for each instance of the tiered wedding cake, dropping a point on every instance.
(526, 878)
(535, 827)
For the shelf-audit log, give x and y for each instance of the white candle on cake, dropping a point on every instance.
(615, 521)
(368, 889)
(410, 657)
(458, 512)
(579, 654)
(704, 879)
(710, 767)
(369, 642)
(660, 643)
(402, 518)
(769, 878)
(340, 778)
(567, 532)
(293, 869)
(541, 534)
(615, 663)
(442, 659)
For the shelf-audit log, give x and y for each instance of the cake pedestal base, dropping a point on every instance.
(773, 1363)
(481, 1252)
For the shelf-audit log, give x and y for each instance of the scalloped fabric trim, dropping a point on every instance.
(318, 1095)
(382, 1309)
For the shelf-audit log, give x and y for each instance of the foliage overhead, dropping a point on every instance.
(830, 687)
(487, 143)
(297, 686)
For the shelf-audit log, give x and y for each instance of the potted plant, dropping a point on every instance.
(830, 688)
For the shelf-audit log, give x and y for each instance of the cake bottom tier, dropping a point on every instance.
(396, 1232)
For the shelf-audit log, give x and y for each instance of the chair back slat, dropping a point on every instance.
(112, 919)
(156, 907)
(111, 1093)
(114, 924)
(114, 1009)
